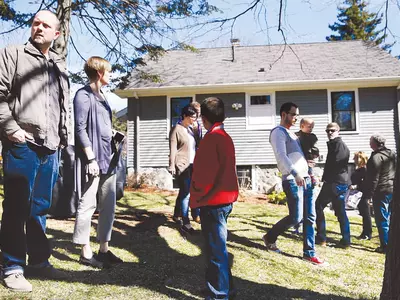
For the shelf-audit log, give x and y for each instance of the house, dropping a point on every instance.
(354, 83)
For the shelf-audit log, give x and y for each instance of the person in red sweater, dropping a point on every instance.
(213, 189)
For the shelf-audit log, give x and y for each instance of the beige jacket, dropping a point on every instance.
(23, 83)
(179, 150)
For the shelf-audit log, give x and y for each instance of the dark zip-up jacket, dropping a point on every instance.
(335, 170)
(381, 169)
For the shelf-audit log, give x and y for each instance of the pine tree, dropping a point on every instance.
(356, 23)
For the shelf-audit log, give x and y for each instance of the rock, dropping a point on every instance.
(156, 177)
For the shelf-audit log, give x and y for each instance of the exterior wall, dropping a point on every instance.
(377, 114)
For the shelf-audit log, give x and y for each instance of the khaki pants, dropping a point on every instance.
(105, 187)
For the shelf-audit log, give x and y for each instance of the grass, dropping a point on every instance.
(160, 264)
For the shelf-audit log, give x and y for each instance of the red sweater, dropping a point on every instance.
(214, 179)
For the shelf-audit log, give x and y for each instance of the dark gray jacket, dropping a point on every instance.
(24, 88)
(381, 169)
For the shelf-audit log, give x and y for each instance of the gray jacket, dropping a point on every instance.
(23, 85)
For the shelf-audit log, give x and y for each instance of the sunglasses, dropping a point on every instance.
(330, 130)
(293, 114)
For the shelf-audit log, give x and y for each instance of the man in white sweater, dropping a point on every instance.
(296, 184)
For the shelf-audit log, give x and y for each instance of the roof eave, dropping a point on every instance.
(249, 86)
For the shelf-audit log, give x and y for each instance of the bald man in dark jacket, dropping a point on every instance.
(381, 168)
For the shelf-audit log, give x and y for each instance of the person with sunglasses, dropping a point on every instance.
(335, 184)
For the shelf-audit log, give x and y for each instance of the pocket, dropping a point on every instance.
(19, 150)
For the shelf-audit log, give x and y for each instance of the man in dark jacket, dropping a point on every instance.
(335, 186)
(381, 168)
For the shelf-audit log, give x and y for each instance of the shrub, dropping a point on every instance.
(277, 198)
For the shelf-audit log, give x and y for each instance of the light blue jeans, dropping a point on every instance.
(301, 204)
(382, 209)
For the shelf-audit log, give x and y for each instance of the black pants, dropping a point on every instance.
(363, 208)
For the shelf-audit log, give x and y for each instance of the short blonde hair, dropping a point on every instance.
(96, 64)
(360, 159)
(305, 121)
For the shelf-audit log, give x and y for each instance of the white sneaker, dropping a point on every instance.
(17, 282)
(271, 246)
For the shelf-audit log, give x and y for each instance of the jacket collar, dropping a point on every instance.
(33, 50)
(216, 126)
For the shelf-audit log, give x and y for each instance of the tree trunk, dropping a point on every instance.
(391, 277)
(64, 15)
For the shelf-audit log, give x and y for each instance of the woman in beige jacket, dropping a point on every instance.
(182, 147)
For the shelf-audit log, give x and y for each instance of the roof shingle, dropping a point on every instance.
(295, 62)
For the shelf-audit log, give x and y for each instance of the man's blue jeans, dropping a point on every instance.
(215, 232)
(301, 206)
(382, 209)
(335, 193)
(30, 173)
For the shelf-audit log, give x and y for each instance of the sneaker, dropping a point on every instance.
(17, 282)
(187, 230)
(364, 237)
(315, 261)
(380, 249)
(320, 242)
(92, 262)
(108, 258)
(46, 272)
(197, 219)
(343, 244)
(177, 220)
(270, 246)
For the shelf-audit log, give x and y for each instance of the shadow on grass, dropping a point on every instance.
(160, 268)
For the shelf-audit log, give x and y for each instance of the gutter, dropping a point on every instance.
(268, 85)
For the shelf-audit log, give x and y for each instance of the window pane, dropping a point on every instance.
(177, 104)
(345, 119)
(343, 101)
(260, 100)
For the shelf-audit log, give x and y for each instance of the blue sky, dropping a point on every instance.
(304, 21)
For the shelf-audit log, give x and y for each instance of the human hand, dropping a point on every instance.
(299, 180)
(93, 168)
(353, 187)
(20, 136)
(172, 171)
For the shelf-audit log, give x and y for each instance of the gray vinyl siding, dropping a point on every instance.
(312, 104)
(377, 115)
(132, 133)
(251, 146)
(153, 142)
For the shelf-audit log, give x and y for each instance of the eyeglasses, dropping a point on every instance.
(330, 130)
(193, 117)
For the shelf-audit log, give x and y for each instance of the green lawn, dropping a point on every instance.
(160, 264)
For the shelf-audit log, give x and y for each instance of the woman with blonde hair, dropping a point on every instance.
(95, 168)
(358, 183)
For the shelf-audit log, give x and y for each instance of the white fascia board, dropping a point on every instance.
(254, 86)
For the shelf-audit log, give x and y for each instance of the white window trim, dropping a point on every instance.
(273, 103)
(169, 108)
(357, 107)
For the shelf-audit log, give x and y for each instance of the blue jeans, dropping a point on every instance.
(382, 209)
(30, 173)
(301, 206)
(182, 200)
(215, 232)
(335, 193)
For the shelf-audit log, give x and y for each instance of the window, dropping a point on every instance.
(244, 177)
(260, 111)
(260, 100)
(177, 103)
(343, 105)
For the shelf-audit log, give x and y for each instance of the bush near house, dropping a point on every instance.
(277, 198)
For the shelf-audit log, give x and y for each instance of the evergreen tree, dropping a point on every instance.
(356, 23)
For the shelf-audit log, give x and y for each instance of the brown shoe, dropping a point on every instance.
(197, 219)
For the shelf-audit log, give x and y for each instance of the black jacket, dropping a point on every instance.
(358, 178)
(381, 169)
(335, 170)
